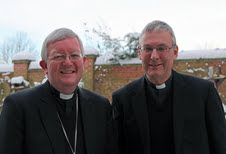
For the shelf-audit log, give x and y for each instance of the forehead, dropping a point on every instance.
(156, 38)
(68, 44)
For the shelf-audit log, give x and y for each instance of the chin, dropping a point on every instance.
(68, 83)
(155, 73)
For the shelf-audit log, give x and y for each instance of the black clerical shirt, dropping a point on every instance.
(159, 104)
(67, 112)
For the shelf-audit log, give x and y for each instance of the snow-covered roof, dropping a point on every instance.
(5, 68)
(202, 54)
(130, 61)
(103, 60)
(17, 80)
(91, 51)
(34, 65)
(24, 56)
(182, 55)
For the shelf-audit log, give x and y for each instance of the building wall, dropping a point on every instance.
(88, 75)
(21, 68)
(108, 78)
(104, 79)
(35, 75)
(201, 68)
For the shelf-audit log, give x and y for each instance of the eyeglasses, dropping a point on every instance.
(159, 49)
(62, 57)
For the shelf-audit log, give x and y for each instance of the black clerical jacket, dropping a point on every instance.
(199, 125)
(29, 123)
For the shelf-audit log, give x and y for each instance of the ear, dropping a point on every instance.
(84, 59)
(176, 52)
(139, 52)
(43, 64)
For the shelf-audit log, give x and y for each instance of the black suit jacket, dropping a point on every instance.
(198, 118)
(29, 123)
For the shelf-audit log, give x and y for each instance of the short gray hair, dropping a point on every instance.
(158, 26)
(58, 35)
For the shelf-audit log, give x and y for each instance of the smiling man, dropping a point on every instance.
(166, 112)
(57, 117)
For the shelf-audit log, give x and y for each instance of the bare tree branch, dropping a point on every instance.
(18, 43)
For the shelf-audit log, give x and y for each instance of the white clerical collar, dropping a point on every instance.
(161, 86)
(66, 97)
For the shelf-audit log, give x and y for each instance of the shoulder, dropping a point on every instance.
(92, 96)
(192, 83)
(25, 97)
(192, 79)
(26, 93)
(22, 101)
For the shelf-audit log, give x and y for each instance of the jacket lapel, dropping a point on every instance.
(138, 99)
(90, 137)
(50, 120)
(179, 106)
(140, 109)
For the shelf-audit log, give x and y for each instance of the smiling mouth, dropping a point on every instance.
(154, 65)
(67, 72)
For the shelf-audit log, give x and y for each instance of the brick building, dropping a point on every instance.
(104, 77)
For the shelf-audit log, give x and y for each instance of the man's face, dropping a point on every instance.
(157, 65)
(64, 66)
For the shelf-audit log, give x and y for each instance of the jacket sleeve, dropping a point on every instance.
(111, 136)
(216, 123)
(118, 124)
(11, 128)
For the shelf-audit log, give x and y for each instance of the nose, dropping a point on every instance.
(154, 54)
(67, 60)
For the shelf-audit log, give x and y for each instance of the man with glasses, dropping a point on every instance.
(57, 117)
(166, 112)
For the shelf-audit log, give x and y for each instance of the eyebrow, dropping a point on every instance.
(63, 52)
(148, 45)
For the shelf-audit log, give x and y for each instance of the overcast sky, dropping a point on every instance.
(197, 24)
